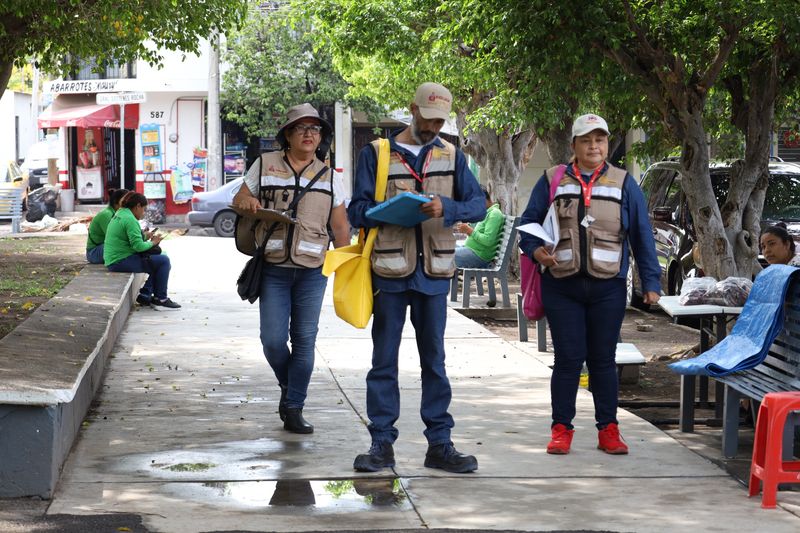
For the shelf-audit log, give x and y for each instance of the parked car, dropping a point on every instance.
(35, 163)
(211, 208)
(672, 223)
(12, 176)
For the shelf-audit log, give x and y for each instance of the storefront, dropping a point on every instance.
(165, 148)
(91, 134)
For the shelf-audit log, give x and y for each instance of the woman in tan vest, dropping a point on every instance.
(292, 284)
(601, 213)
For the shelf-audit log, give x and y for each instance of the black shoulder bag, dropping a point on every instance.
(249, 283)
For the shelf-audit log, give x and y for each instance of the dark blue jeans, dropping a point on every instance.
(95, 255)
(429, 317)
(289, 306)
(585, 317)
(158, 266)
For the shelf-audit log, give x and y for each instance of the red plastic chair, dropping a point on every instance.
(768, 465)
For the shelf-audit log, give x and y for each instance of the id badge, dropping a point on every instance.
(587, 221)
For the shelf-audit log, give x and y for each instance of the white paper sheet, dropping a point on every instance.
(548, 230)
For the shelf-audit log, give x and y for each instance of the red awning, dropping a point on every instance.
(87, 115)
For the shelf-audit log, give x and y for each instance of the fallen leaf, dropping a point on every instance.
(70, 333)
(27, 306)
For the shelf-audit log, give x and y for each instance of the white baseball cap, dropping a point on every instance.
(588, 123)
(433, 101)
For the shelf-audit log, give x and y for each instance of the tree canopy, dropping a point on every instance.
(46, 32)
(274, 63)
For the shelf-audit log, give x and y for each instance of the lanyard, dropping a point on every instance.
(424, 167)
(587, 187)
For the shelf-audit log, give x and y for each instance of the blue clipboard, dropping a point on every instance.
(401, 210)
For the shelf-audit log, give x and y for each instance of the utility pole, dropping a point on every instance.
(35, 104)
(214, 169)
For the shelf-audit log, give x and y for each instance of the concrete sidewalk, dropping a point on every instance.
(186, 434)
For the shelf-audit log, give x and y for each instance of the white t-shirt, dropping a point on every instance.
(413, 148)
(253, 181)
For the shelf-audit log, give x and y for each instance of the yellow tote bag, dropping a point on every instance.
(352, 284)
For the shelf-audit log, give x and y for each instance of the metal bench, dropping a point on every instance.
(498, 269)
(11, 206)
(779, 372)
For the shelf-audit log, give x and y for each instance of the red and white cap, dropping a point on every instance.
(433, 101)
(587, 123)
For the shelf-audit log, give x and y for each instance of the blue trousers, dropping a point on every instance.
(467, 258)
(95, 255)
(289, 305)
(158, 266)
(429, 317)
(585, 317)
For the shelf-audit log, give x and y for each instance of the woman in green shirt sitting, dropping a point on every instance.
(482, 240)
(97, 228)
(126, 250)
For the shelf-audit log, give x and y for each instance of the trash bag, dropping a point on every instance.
(41, 202)
(694, 290)
(35, 211)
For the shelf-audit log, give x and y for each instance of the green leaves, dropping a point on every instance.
(50, 31)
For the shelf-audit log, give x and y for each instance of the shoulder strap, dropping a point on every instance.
(556, 180)
(296, 200)
(382, 175)
(291, 207)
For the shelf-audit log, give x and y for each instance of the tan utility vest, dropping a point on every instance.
(397, 248)
(304, 243)
(596, 248)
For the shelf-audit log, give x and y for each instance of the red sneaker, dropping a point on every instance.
(560, 440)
(610, 441)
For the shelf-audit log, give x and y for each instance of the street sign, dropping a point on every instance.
(121, 98)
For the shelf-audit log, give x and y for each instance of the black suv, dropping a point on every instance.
(672, 224)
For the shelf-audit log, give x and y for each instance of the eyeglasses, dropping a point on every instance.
(313, 129)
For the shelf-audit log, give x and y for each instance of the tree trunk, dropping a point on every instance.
(559, 143)
(716, 252)
(753, 115)
(5, 75)
(502, 158)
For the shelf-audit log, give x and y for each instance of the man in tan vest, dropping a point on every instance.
(412, 268)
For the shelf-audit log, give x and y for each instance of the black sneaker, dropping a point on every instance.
(143, 300)
(379, 456)
(164, 305)
(446, 457)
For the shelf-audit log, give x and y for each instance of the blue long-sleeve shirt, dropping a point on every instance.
(467, 205)
(635, 223)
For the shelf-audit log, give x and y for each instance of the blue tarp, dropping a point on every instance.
(755, 330)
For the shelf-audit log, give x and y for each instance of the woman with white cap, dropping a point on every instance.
(601, 213)
(292, 285)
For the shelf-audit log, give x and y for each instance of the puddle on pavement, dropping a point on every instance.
(246, 460)
(316, 495)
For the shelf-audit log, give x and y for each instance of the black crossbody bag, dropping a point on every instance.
(248, 285)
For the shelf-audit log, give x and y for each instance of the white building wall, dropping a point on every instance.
(16, 134)
(180, 116)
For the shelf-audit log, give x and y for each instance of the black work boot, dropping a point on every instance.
(282, 402)
(379, 456)
(446, 457)
(295, 422)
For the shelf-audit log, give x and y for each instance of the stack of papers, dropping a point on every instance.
(401, 210)
(548, 230)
